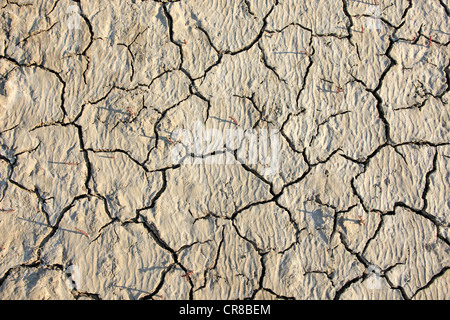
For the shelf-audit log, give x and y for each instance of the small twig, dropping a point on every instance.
(361, 220)
(70, 163)
(82, 232)
(339, 89)
(234, 120)
(306, 52)
(129, 111)
(173, 142)
(187, 275)
(7, 210)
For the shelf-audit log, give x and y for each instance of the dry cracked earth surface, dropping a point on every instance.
(94, 207)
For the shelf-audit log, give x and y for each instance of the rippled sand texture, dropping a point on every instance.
(93, 205)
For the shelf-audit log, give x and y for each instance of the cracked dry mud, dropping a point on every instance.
(92, 206)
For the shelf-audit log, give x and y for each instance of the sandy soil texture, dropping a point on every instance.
(224, 149)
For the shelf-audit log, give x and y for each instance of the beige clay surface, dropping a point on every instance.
(95, 97)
